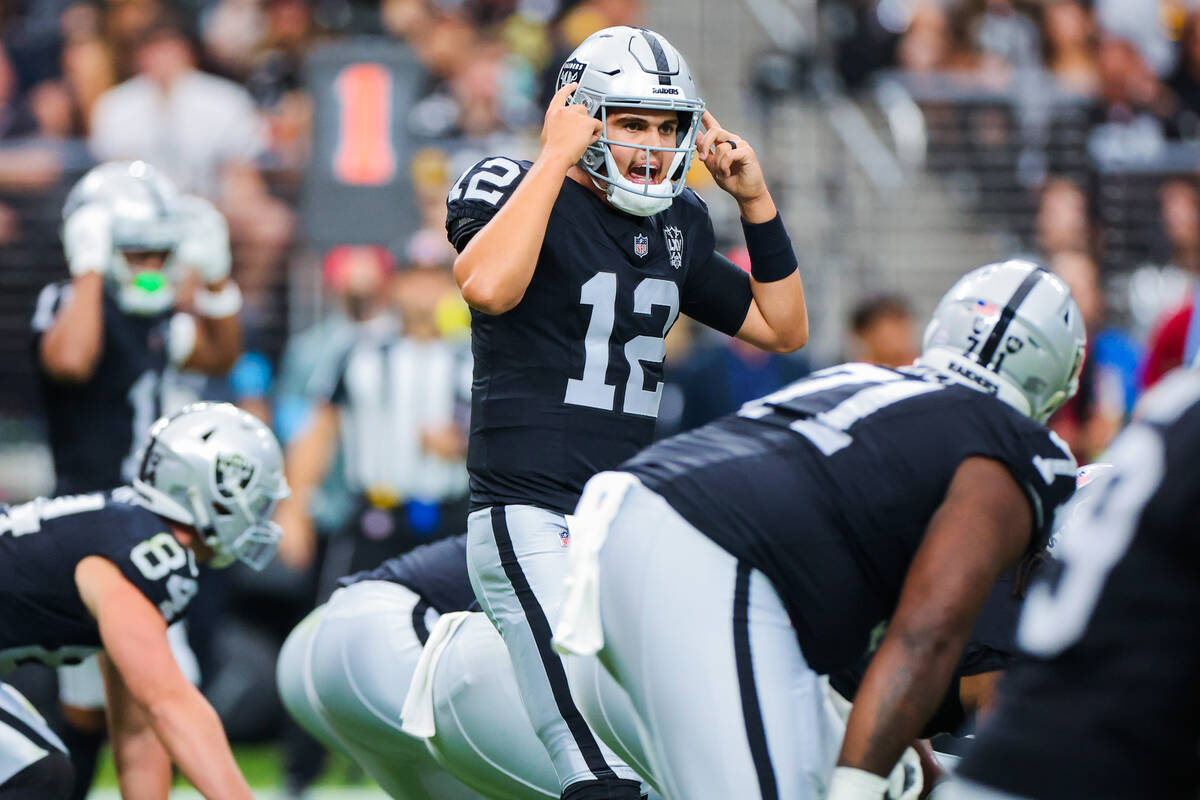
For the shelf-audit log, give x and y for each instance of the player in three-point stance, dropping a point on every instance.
(739, 562)
(107, 572)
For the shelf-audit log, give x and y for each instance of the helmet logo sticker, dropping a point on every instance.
(641, 245)
(233, 473)
(570, 72)
(674, 238)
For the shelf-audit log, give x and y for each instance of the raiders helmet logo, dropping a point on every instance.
(570, 72)
(232, 474)
(641, 245)
(674, 238)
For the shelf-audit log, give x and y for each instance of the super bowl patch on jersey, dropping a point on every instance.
(674, 238)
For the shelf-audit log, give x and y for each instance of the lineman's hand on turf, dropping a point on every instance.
(568, 130)
(731, 160)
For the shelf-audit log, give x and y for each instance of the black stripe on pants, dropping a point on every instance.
(418, 621)
(540, 626)
(751, 711)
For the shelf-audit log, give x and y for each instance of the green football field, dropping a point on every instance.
(263, 767)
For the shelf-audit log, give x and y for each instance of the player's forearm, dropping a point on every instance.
(785, 311)
(495, 268)
(191, 732)
(903, 686)
(70, 348)
(143, 765)
(218, 342)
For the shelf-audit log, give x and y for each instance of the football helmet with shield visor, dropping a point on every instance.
(1013, 330)
(634, 68)
(220, 470)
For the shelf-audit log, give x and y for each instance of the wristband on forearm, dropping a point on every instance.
(218, 305)
(771, 255)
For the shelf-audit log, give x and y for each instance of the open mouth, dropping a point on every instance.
(644, 173)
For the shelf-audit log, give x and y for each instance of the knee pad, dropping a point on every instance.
(49, 778)
(607, 789)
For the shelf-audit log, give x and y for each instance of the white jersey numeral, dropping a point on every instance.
(827, 428)
(593, 390)
(1092, 543)
(158, 556)
(509, 170)
(27, 518)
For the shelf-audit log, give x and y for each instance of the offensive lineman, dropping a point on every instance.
(747, 557)
(1105, 707)
(109, 345)
(576, 266)
(109, 571)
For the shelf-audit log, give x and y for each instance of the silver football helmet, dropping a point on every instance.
(220, 470)
(625, 67)
(144, 205)
(1010, 329)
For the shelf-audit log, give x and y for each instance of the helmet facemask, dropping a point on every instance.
(641, 199)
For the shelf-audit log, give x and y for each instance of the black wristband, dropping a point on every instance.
(771, 255)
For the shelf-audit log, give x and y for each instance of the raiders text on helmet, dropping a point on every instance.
(625, 67)
(1012, 330)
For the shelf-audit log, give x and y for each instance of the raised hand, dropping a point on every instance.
(733, 164)
(568, 129)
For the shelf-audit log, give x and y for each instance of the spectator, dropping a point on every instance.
(1132, 121)
(1176, 339)
(1108, 381)
(204, 132)
(1069, 45)
(883, 331)
(1062, 224)
(1185, 80)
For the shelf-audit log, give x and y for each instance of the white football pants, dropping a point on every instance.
(706, 652)
(517, 558)
(343, 675)
(485, 738)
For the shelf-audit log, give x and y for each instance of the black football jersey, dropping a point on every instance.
(568, 382)
(1105, 703)
(95, 427)
(827, 486)
(42, 617)
(437, 572)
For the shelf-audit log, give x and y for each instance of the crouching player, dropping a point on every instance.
(107, 572)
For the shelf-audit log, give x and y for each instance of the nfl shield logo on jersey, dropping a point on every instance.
(674, 238)
(641, 245)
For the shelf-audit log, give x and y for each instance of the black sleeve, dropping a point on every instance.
(151, 559)
(715, 292)
(1039, 460)
(478, 194)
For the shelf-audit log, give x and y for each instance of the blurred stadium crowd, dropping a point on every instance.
(1069, 129)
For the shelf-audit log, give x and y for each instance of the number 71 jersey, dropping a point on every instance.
(42, 617)
(568, 382)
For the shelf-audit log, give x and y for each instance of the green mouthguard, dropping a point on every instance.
(150, 282)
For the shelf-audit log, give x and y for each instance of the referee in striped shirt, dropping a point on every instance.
(397, 403)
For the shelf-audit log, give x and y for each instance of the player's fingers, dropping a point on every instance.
(560, 97)
(708, 120)
(710, 137)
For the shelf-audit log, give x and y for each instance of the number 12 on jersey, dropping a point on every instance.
(592, 390)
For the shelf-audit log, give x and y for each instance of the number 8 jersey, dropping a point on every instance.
(568, 382)
(42, 617)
